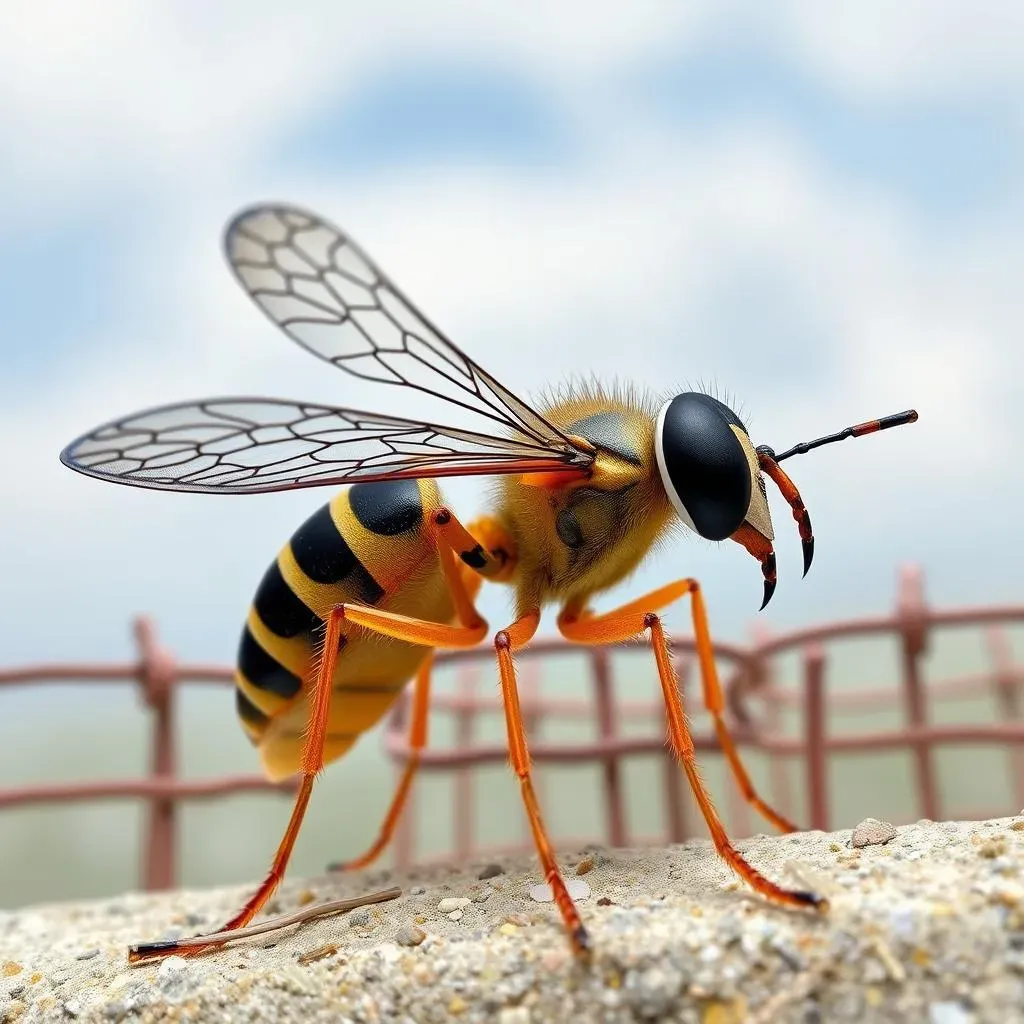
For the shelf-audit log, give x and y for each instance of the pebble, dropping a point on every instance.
(88, 954)
(490, 871)
(872, 832)
(948, 1013)
(359, 917)
(410, 935)
(446, 906)
(172, 977)
(456, 915)
(514, 1015)
(578, 890)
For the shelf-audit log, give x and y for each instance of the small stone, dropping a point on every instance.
(359, 917)
(305, 897)
(606, 901)
(11, 968)
(457, 1005)
(514, 1015)
(299, 983)
(456, 915)
(88, 954)
(446, 906)
(172, 977)
(719, 1012)
(542, 893)
(417, 890)
(72, 1007)
(872, 832)
(508, 929)
(482, 896)
(652, 993)
(994, 846)
(410, 935)
(585, 865)
(116, 1009)
(948, 1012)
(491, 871)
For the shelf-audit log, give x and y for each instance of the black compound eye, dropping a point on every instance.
(703, 465)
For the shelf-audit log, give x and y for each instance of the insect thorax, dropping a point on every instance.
(587, 536)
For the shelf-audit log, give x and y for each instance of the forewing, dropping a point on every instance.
(251, 445)
(316, 284)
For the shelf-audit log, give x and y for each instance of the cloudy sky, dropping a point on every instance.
(819, 209)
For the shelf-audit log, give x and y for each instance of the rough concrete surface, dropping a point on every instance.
(927, 926)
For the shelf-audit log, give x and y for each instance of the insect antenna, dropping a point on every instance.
(897, 419)
(769, 463)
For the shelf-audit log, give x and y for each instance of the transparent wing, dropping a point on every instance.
(250, 445)
(325, 293)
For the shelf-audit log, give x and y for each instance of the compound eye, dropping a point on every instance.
(703, 465)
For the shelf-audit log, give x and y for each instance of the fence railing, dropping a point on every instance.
(749, 674)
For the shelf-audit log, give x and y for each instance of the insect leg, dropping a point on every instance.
(402, 627)
(505, 642)
(630, 615)
(638, 617)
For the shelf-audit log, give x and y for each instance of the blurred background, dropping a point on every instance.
(816, 209)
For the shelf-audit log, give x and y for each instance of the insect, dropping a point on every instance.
(373, 582)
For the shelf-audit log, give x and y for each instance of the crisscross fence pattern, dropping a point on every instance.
(750, 680)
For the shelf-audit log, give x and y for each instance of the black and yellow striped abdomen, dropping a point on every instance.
(370, 545)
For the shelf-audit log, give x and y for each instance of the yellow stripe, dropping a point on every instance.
(269, 703)
(320, 597)
(292, 652)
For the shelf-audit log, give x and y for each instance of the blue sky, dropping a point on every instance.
(824, 227)
(817, 208)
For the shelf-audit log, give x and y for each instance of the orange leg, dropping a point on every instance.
(636, 617)
(432, 634)
(515, 636)
(419, 718)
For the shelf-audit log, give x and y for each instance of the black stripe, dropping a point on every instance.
(373, 689)
(280, 609)
(248, 711)
(387, 507)
(263, 671)
(608, 430)
(475, 559)
(324, 556)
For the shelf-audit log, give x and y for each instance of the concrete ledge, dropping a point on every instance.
(928, 926)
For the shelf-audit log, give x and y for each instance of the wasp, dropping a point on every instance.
(384, 574)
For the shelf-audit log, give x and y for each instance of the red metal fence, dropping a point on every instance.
(750, 672)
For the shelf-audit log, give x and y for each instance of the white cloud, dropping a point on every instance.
(921, 49)
(603, 266)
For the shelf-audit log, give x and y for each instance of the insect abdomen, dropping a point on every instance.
(367, 546)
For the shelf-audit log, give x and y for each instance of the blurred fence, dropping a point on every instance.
(749, 677)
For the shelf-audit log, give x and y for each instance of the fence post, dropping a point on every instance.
(404, 843)
(606, 727)
(531, 710)
(912, 614)
(157, 674)
(466, 687)
(815, 737)
(1007, 691)
(675, 811)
